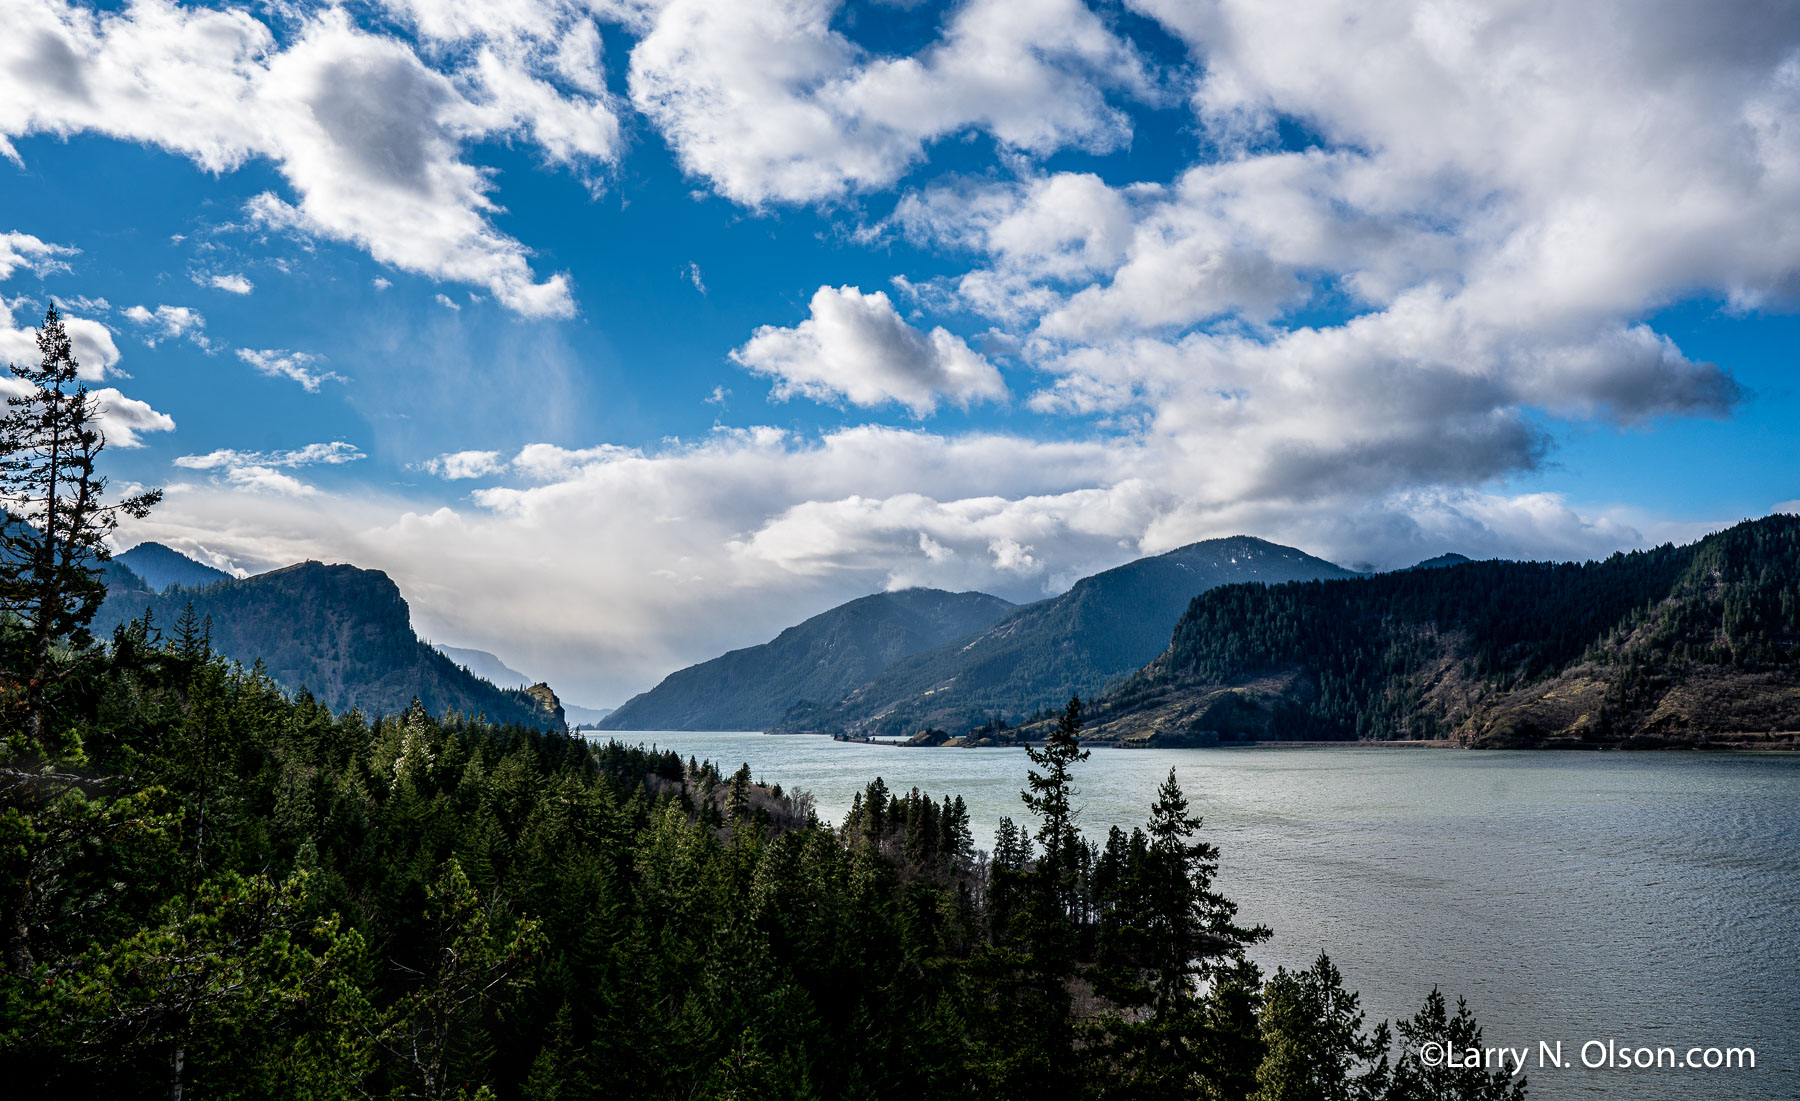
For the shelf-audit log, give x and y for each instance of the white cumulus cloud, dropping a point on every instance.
(857, 347)
(232, 283)
(769, 102)
(22, 250)
(368, 132)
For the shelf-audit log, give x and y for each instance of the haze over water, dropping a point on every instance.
(1647, 898)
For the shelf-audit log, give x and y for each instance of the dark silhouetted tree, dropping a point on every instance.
(55, 525)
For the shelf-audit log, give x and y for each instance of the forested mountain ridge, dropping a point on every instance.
(1106, 625)
(162, 566)
(1689, 645)
(342, 633)
(812, 662)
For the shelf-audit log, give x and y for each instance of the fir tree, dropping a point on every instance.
(1050, 797)
(53, 529)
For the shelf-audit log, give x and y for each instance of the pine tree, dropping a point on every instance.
(1415, 1080)
(737, 804)
(53, 531)
(1050, 798)
(1186, 920)
(1314, 1045)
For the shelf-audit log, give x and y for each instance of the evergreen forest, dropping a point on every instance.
(213, 890)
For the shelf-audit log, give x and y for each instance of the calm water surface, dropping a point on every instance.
(1647, 898)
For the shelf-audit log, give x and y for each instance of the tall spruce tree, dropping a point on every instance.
(53, 535)
(1050, 796)
(1189, 926)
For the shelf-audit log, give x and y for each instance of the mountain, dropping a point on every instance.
(1040, 654)
(585, 716)
(485, 665)
(162, 566)
(1694, 645)
(342, 633)
(1442, 560)
(816, 661)
(120, 577)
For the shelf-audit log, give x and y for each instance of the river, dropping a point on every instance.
(1647, 899)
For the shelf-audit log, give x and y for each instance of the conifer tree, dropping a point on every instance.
(1050, 797)
(737, 804)
(1186, 921)
(54, 527)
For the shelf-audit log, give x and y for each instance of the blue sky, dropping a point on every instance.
(622, 333)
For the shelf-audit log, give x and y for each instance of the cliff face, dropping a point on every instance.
(342, 633)
(547, 704)
(1677, 646)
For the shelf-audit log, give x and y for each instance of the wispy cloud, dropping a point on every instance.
(280, 363)
(464, 464)
(265, 471)
(170, 323)
(335, 453)
(22, 250)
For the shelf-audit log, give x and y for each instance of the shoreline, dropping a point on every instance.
(1781, 741)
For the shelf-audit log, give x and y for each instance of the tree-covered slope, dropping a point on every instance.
(1038, 656)
(342, 633)
(807, 664)
(216, 891)
(164, 566)
(1673, 645)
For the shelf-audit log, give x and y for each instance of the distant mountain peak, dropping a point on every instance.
(1441, 561)
(1107, 624)
(484, 665)
(161, 566)
(810, 664)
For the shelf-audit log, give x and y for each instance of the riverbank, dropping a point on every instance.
(1773, 741)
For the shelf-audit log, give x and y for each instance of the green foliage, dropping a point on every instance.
(54, 520)
(1414, 1080)
(1314, 1045)
(251, 896)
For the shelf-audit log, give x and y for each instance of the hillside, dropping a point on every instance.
(818, 660)
(1691, 645)
(579, 716)
(162, 566)
(484, 665)
(1104, 626)
(1442, 560)
(342, 633)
